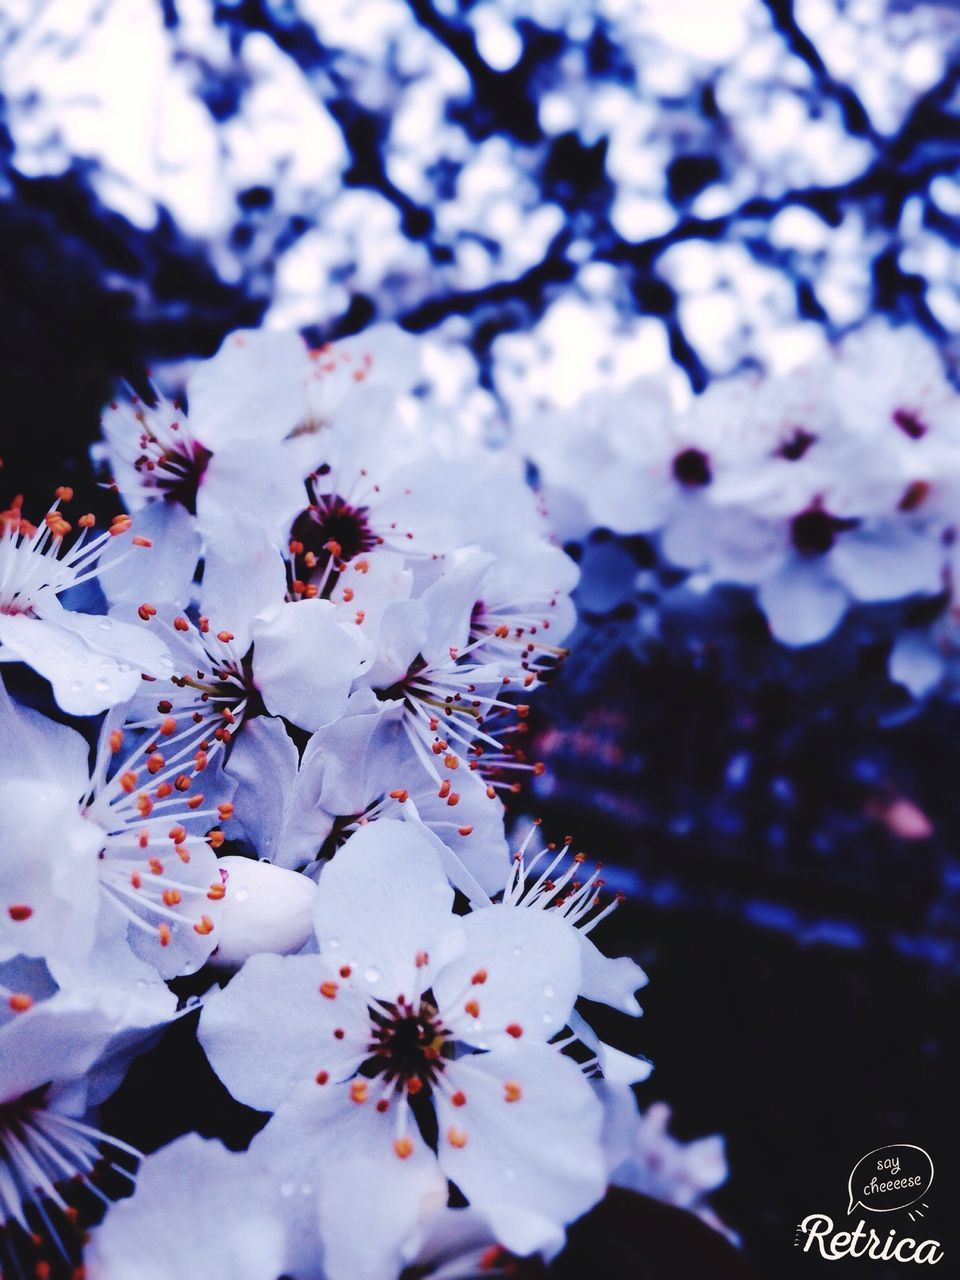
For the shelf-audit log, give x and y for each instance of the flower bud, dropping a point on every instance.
(265, 908)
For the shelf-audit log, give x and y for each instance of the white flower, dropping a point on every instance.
(644, 1157)
(198, 1209)
(122, 838)
(189, 474)
(411, 1050)
(91, 662)
(54, 1046)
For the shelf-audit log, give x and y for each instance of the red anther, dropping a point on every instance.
(182, 782)
(139, 540)
(128, 781)
(515, 1030)
(156, 866)
(19, 912)
(146, 612)
(523, 710)
(414, 1085)
(491, 793)
(164, 931)
(204, 624)
(383, 1105)
(334, 548)
(177, 834)
(204, 927)
(423, 959)
(181, 624)
(458, 1099)
(345, 971)
(224, 636)
(215, 839)
(329, 990)
(296, 548)
(163, 790)
(322, 1077)
(464, 831)
(453, 798)
(20, 1002)
(361, 566)
(473, 1008)
(451, 761)
(168, 725)
(217, 892)
(228, 716)
(195, 801)
(225, 811)
(155, 763)
(182, 852)
(347, 595)
(359, 617)
(400, 795)
(506, 680)
(444, 789)
(479, 978)
(359, 1091)
(116, 740)
(172, 897)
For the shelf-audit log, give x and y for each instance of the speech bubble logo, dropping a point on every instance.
(890, 1178)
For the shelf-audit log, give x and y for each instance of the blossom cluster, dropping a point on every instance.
(310, 637)
(830, 488)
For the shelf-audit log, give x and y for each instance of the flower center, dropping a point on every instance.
(331, 519)
(406, 1044)
(814, 532)
(177, 472)
(798, 444)
(909, 423)
(692, 469)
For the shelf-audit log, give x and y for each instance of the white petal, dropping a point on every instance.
(888, 564)
(803, 603)
(385, 908)
(266, 908)
(250, 480)
(530, 1162)
(198, 1209)
(916, 662)
(253, 388)
(369, 1199)
(304, 662)
(161, 572)
(263, 760)
(75, 652)
(610, 980)
(243, 576)
(271, 1029)
(531, 966)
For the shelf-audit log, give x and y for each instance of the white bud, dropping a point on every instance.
(266, 908)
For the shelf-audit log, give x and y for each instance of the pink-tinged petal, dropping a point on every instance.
(304, 662)
(523, 1145)
(516, 980)
(385, 908)
(274, 1027)
(252, 389)
(368, 1196)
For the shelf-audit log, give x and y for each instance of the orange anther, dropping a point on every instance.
(359, 1091)
(479, 978)
(204, 927)
(20, 1002)
(511, 1091)
(167, 726)
(181, 624)
(403, 1147)
(172, 897)
(459, 1099)
(140, 541)
(128, 781)
(224, 636)
(322, 1077)
(165, 935)
(515, 1030)
(329, 989)
(456, 1137)
(473, 1008)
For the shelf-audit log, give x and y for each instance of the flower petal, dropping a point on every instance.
(304, 662)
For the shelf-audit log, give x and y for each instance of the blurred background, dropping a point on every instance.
(559, 196)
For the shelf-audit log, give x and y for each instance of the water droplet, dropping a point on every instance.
(165, 661)
(305, 1188)
(125, 666)
(242, 895)
(547, 1019)
(517, 952)
(76, 686)
(105, 624)
(548, 990)
(371, 973)
(333, 943)
(287, 1188)
(101, 685)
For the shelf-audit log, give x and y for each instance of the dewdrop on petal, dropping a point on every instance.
(265, 908)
